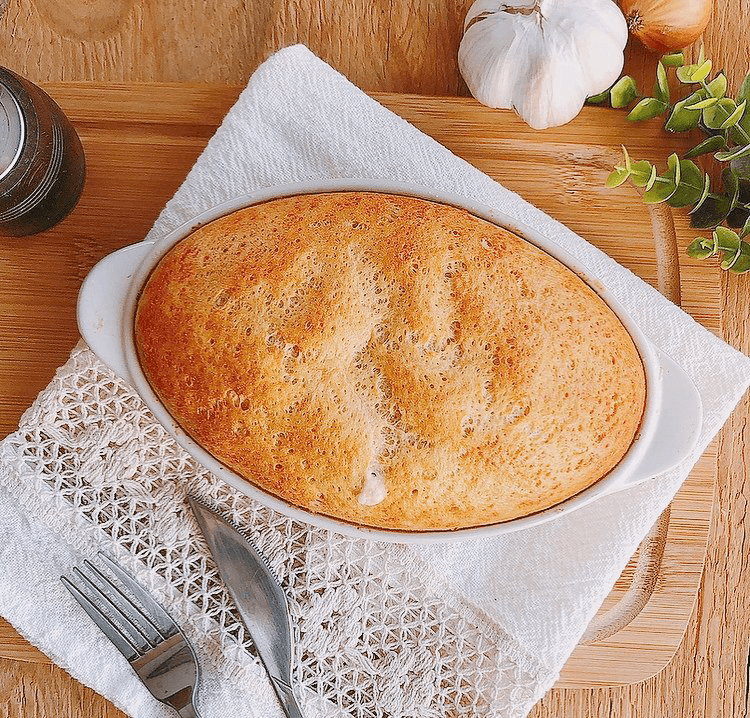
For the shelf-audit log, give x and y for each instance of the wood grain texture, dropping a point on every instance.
(708, 676)
(386, 46)
(383, 45)
(47, 690)
(156, 126)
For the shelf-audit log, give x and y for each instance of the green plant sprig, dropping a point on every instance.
(726, 124)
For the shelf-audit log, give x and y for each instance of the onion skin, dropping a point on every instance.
(666, 25)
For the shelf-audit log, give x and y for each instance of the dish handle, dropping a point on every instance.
(102, 305)
(677, 430)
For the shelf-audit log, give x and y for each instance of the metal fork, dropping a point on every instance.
(142, 631)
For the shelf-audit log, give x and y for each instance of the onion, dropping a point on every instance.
(666, 25)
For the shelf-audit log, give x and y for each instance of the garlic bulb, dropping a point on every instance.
(667, 25)
(542, 58)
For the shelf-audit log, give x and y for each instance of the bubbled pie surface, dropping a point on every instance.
(389, 361)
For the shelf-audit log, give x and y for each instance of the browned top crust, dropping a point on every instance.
(311, 341)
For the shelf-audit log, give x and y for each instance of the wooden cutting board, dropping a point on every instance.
(140, 142)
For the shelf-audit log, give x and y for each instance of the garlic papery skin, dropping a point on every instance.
(541, 58)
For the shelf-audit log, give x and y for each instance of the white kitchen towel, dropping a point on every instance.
(477, 628)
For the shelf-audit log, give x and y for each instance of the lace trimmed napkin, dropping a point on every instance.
(478, 628)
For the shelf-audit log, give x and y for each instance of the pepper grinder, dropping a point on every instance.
(42, 164)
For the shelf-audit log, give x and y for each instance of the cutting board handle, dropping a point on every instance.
(102, 303)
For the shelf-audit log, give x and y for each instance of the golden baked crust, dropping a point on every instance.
(308, 341)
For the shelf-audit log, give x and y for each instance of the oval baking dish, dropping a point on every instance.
(109, 299)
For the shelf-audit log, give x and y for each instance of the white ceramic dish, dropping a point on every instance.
(106, 311)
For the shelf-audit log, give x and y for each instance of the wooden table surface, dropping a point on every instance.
(406, 46)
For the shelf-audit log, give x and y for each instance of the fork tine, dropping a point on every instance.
(137, 636)
(120, 641)
(158, 617)
(166, 664)
(132, 613)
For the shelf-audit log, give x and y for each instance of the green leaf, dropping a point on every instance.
(735, 117)
(661, 88)
(715, 208)
(702, 104)
(738, 217)
(731, 181)
(689, 186)
(701, 55)
(716, 115)
(704, 194)
(711, 213)
(718, 86)
(647, 108)
(702, 72)
(674, 168)
(641, 173)
(685, 73)
(623, 92)
(733, 154)
(701, 248)
(691, 74)
(746, 228)
(682, 119)
(726, 240)
(740, 133)
(730, 258)
(599, 99)
(675, 59)
(710, 144)
(744, 91)
(699, 94)
(662, 189)
(617, 177)
(742, 262)
(626, 156)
